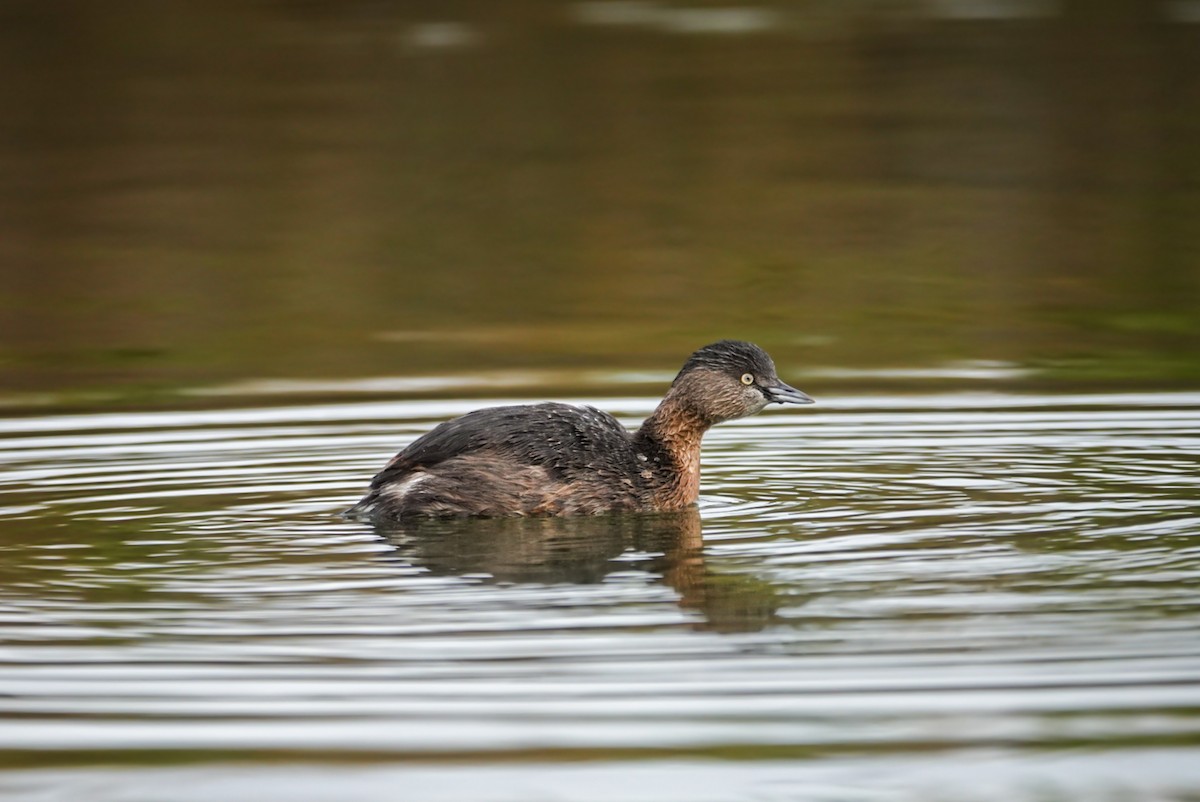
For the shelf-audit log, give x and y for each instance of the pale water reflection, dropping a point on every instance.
(957, 596)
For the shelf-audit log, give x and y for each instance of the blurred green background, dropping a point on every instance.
(198, 193)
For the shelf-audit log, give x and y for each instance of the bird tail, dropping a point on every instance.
(362, 508)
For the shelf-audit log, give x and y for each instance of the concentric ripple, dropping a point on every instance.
(904, 598)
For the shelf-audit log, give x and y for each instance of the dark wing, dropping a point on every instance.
(559, 437)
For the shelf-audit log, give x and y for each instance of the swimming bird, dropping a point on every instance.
(561, 459)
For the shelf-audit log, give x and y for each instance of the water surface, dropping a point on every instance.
(952, 596)
(300, 189)
(287, 236)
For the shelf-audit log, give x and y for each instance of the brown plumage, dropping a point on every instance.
(558, 459)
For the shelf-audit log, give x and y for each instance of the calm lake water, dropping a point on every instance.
(249, 250)
(197, 193)
(960, 596)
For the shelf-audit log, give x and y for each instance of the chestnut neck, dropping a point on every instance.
(674, 432)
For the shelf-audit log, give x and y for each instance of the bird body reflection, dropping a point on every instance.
(586, 550)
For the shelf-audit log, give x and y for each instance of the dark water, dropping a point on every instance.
(248, 250)
(205, 192)
(941, 597)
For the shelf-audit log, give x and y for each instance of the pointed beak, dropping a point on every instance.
(781, 393)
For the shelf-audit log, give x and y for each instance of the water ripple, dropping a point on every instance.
(877, 578)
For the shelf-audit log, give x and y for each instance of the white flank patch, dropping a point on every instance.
(399, 490)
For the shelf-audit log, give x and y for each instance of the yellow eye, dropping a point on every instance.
(747, 379)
